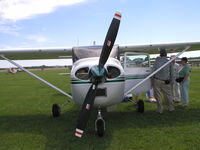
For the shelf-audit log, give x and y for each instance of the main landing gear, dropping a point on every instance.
(140, 106)
(56, 110)
(100, 124)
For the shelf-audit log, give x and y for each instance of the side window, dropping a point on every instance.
(137, 60)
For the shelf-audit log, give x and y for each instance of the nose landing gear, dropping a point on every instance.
(100, 124)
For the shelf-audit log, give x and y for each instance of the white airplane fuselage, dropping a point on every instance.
(109, 92)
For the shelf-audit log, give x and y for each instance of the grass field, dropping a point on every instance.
(26, 122)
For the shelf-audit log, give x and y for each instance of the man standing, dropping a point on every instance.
(175, 85)
(162, 81)
(184, 81)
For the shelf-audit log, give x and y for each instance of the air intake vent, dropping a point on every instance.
(101, 92)
(83, 73)
(113, 72)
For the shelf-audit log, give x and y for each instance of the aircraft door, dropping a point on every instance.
(136, 68)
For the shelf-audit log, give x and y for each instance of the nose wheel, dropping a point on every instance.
(100, 124)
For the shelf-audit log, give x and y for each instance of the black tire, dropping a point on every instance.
(140, 107)
(100, 124)
(55, 110)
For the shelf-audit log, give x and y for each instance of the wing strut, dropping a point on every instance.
(37, 77)
(153, 73)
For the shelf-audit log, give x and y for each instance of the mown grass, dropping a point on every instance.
(26, 122)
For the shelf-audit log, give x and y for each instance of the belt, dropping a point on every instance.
(159, 79)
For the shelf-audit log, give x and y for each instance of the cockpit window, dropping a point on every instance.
(113, 72)
(83, 73)
(135, 60)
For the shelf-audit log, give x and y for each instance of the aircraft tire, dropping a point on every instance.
(140, 107)
(56, 110)
(100, 125)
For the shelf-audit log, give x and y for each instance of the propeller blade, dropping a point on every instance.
(110, 39)
(86, 109)
(90, 97)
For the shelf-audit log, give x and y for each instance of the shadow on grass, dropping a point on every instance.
(59, 132)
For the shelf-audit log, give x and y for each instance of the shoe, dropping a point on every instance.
(184, 105)
(152, 99)
(159, 112)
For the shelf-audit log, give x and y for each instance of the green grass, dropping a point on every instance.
(26, 122)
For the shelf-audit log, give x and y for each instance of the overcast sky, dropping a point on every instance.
(58, 23)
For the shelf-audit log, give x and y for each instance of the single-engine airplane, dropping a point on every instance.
(98, 77)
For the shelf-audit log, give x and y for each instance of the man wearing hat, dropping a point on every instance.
(162, 81)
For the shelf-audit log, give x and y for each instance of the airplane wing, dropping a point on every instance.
(36, 53)
(59, 52)
(154, 48)
(42, 53)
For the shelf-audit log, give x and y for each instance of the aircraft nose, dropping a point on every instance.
(97, 72)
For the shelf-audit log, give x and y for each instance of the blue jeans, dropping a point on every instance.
(184, 91)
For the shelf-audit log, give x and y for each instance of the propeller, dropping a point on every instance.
(98, 73)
